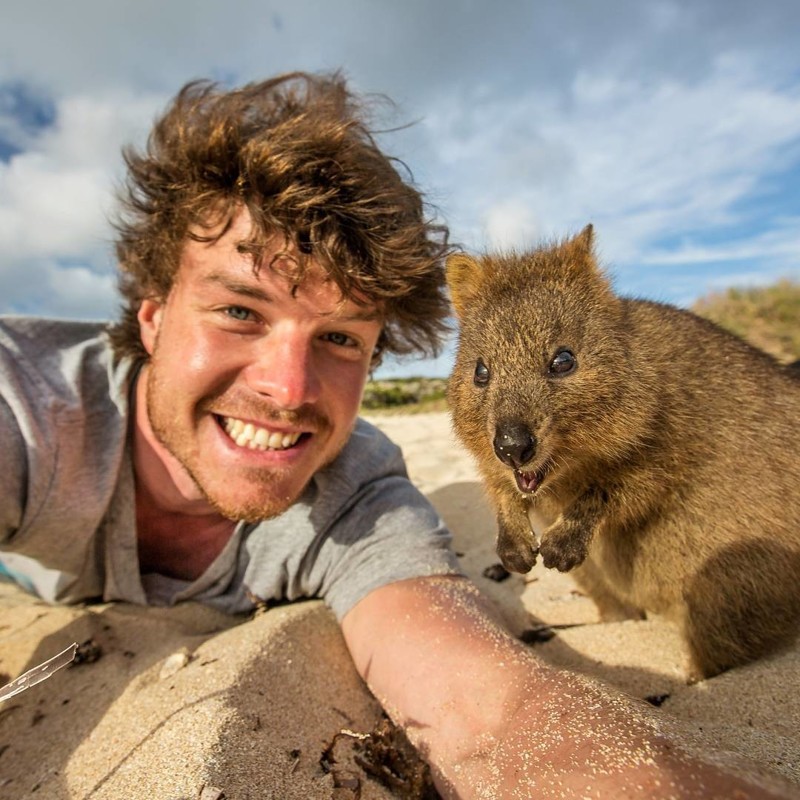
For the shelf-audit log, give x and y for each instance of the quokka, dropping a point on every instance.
(641, 446)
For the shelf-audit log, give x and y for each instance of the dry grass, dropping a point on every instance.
(767, 316)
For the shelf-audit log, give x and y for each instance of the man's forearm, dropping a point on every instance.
(568, 738)
(495, 722)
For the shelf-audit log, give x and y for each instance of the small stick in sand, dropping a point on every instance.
(39, 673)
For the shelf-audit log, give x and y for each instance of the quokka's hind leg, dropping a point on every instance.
(742, 604)
(609, 605)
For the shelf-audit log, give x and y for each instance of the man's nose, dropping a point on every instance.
(284, 369)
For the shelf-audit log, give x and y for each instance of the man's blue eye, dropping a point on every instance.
(341, 339)
(238, 313)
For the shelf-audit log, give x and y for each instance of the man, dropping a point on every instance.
(207, 446)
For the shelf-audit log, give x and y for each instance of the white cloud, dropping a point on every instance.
(641, 159)
(49, 208)
(781, 243)
(511, 226)
(56, 201)
(80, 292)
(55, 198)
(45, 286)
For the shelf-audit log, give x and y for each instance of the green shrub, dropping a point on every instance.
(406, 394)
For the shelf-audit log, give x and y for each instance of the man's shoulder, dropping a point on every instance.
(33, 335)
(369, 454)
(70, 361)
(368, 460)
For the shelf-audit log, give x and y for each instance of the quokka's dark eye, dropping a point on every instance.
(481, 376)
(563, 363)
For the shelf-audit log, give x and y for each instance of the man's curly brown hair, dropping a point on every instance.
(296, 151)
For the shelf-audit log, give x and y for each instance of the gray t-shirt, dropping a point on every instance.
(67, 510)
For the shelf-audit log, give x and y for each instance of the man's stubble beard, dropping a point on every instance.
(180, 449)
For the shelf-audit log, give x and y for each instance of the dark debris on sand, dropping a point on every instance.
(496, 572)
(384, 755)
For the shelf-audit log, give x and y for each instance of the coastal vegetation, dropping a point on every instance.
(767, 316)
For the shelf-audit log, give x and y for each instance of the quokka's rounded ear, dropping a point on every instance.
(464, 276)
(585, 238)
(581, 260)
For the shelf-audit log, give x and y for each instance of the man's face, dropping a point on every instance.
(252, 386)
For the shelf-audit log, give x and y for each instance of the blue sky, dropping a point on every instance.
(673, 126)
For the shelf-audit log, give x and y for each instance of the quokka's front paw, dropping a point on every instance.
(517, 559)
(517, 553)
(563, 552)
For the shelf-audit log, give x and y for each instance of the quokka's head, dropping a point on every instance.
(542, 364)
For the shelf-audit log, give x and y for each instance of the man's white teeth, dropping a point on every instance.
(245, 434)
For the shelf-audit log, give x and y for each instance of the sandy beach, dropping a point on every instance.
(187, 703)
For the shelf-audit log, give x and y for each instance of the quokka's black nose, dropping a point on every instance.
(514, 444)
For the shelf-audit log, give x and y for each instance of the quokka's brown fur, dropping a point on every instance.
(645, 447)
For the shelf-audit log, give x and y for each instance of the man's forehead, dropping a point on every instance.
(259, 272)
(265, 285)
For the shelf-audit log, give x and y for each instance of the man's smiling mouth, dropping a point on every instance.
(245, 434)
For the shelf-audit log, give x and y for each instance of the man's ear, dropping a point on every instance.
(149, 316)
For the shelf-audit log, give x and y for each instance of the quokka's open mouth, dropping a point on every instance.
(529, 482)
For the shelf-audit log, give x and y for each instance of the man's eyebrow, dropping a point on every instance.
(368, 314)
(237, 287)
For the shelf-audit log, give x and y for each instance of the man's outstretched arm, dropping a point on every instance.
(493, 721)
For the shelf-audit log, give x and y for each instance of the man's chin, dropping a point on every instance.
(265, 505)
(252, 495)
(250, 512)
